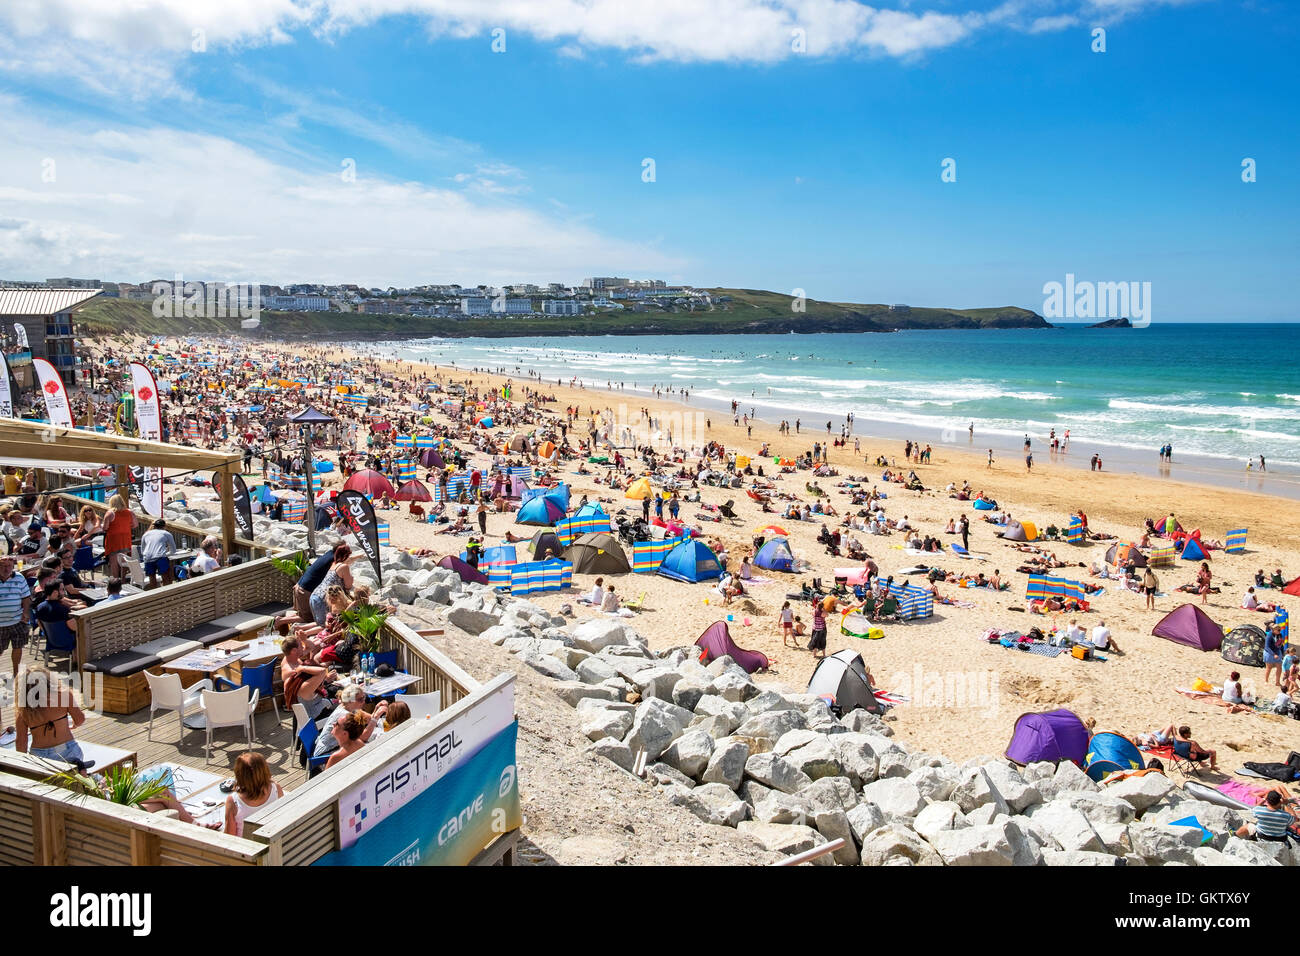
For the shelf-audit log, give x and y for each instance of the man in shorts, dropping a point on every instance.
(15, 611)
(156, 548)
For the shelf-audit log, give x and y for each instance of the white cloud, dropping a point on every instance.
(137, 203)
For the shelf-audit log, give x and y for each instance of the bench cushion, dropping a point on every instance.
(122, 665)
(271, 607)
(168, 648)
(208, 634)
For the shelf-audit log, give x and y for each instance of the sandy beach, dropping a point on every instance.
(1130, 694)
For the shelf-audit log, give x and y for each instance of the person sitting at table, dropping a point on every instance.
(48, 711)
(318, 638)
(88, 525)
(398, 713)
(71, 580)
(156, 548)
(113, 587)
(34, 545)
(304, 683)
(254, 789)
(55, 608)
(54, 512)
(347, 732)
(209, 557)
(352, 700)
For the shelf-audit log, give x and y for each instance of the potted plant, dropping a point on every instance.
(123, 785)
(366, 622)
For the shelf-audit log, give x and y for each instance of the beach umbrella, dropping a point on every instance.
(381, 426)
(773, 530)
(369, 482)
(412, 491)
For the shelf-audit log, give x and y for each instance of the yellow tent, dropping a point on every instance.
(742, 461)
(1031, 530)
(639, 489)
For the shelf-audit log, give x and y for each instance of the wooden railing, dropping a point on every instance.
(111, 627)
(417, 656)
(187, 536)
(45, 825)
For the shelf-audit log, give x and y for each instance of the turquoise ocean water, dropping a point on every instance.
(1220, 393)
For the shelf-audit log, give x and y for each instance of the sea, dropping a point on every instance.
(1220, 394)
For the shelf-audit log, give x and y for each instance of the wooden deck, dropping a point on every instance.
(129, 732)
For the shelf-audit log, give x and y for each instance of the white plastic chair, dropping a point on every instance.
(166, 693)
(231, 708)
(423, 705)
(135, 570)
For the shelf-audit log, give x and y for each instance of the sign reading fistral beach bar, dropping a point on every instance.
(440, 801)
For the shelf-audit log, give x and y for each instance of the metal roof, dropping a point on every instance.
(43, 301)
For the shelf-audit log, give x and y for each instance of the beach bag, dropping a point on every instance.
(1081, 653)
(1202, 686)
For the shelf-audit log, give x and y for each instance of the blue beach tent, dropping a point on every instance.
(1110, 753)
(691, 561)
(540, 510)
(775, 555)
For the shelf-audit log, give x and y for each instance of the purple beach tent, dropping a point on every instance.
(1055, 735)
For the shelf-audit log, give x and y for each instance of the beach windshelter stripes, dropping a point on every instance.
(585, 521)
(404, 441)
(191, 431)
(913, 602)
(648, 555)
(1236, 543)
(382, 528)
(295, 509)
(360, 400)
(1042, 587)
(406, 470)
(540, 576)
(424, 441)
(1283, 621)
(1074, 533)
(1162, 556)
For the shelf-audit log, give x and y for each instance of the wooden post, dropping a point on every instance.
(227, 493)
(145, 849)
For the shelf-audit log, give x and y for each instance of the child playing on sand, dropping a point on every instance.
(787, 626)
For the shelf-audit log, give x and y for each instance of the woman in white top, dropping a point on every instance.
(610, 604)
(254, 789)
(1232, 688)
(597, 595)
(208, 559)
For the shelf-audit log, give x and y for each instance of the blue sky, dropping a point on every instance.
(774, 169)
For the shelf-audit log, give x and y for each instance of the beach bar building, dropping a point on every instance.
(400, 801)
(45, 319)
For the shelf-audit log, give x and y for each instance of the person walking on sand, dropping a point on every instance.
(817, 643)
(990, 457)
(1150, 584)
(965, 533)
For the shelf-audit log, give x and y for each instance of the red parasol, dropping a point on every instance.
(412, 491)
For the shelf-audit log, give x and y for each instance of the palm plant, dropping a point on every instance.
(294, 566)
(123, 785)
(366, 621)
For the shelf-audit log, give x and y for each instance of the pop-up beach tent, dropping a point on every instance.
(639, 489)
(597, 552)
(1121, 555)
(468, 573)
(540, 510)
(1190, 625)
(691, 561)
(775, 555)
(1056, 735)
(544, 541)
(1020, 531)
(842, 677)
(716, 642)
(1194, 551)
(1111, 753)
(1244, 645)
